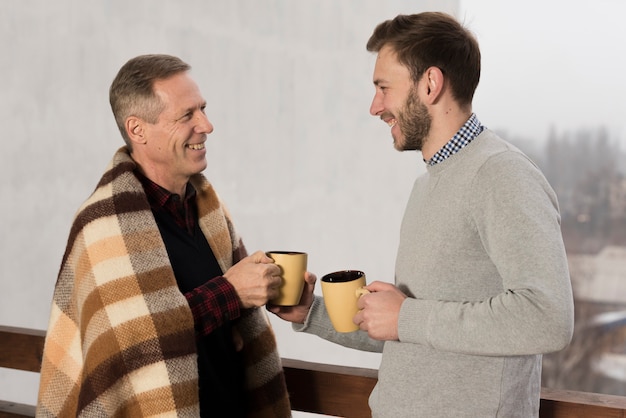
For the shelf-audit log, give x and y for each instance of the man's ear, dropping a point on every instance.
(135, 129)
(433, 79)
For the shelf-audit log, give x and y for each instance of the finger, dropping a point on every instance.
(360, 302)
(378, 286)
(310, 278)
(358, 319)
(261, 257)
(274, 281)
(272, 293)
(275, 309)
(272, 270)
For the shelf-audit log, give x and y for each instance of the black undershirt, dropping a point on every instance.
(220, 367)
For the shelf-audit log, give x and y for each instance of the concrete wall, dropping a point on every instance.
(295, 154)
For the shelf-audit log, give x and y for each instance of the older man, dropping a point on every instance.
(156, 307)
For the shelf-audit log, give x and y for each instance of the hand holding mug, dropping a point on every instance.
(298, 313)
(379, 311)
(256, 279)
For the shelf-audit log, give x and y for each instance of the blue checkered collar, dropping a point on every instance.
(470, 130)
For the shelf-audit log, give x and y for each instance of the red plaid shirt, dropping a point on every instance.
(216, 301)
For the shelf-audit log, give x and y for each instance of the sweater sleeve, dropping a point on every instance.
(212, 304)
(514, 213)
(318, 323)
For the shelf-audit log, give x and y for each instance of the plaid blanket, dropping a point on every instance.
(121, 336)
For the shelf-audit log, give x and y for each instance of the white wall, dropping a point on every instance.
(295, 154)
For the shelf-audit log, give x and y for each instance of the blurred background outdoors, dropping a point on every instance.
(296, 155)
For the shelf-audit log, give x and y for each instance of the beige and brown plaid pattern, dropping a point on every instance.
(121, 337)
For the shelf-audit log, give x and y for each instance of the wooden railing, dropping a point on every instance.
(20, 349)
(313, 387)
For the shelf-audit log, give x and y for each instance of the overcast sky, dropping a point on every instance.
(550, 63)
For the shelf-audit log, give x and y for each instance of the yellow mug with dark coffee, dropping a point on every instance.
(341, 290)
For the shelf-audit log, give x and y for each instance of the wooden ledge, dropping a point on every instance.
(313, 387)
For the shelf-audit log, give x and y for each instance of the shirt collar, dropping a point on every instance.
(159, 196)
(468, 132)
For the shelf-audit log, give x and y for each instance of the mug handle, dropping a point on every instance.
(361, 291)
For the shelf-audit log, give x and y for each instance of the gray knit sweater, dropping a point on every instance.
(482, 260)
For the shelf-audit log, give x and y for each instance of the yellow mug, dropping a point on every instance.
(292, 267)
(341, 290)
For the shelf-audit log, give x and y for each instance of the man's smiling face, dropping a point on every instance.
(174, 148)
(397, 102)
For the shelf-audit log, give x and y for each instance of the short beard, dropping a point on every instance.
(414, 122)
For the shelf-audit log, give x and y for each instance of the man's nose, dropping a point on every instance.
(376, 108)
(204, 126)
